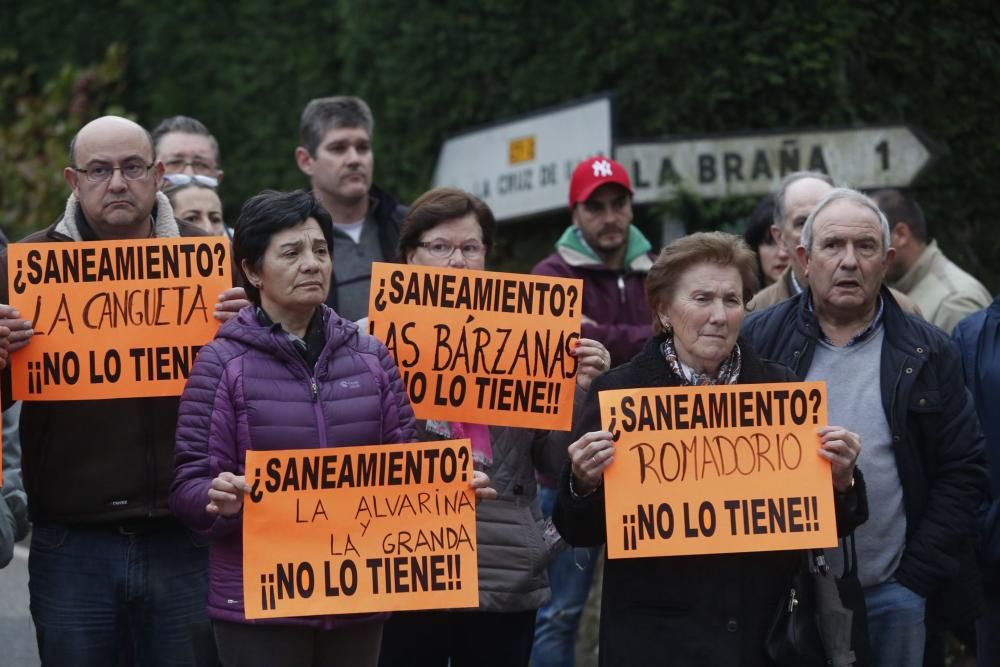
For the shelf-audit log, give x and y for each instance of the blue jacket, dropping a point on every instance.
(978, 340)
(935, 433)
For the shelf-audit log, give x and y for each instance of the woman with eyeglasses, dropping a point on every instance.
(451, 228)
(194, 200)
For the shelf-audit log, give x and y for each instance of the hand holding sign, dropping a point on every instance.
(589, 457)
(230, 303)
(225, 496)
(4, 346)
(20, 330)
(481, 485)
(841, 448)
(592, 359)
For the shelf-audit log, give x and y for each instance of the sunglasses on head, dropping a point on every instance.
(186, 179)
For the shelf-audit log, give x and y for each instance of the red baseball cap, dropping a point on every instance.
(594, 172)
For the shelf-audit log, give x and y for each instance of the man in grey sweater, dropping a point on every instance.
(896, 381)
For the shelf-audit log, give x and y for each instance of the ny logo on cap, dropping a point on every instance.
(602, 168)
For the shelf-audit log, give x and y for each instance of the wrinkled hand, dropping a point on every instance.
(4, 346)
(19, 331)
(481, 485)
(230, 302)
(589, 457)
(841, 448)
(225, 496)
(592, 359)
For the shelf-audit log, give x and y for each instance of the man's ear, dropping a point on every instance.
(72, 175)
(158, 170)
(803, 257)
(900, 235)
(304, 160)
(889, 256)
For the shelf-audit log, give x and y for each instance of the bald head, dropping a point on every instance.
(114, 124)
(794, 201)
(101, 154)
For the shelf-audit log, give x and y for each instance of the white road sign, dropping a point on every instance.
(522, 167)
(719, 166)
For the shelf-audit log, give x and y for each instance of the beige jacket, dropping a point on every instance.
(782, 289)
(944, 292)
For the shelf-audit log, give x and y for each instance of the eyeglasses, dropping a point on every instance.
(444, 250)
(178, 180)
(197, 166)
(131, 171)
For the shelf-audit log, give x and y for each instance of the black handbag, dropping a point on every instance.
(822, 620)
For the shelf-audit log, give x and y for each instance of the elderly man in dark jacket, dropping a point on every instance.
(97, 472)
(896, 381)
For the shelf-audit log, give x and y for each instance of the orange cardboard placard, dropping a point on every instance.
(719, 469)
(480, 346)
(360, 529)
(114, 319)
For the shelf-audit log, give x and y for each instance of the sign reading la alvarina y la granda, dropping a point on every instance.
(362, 529)
(753, 164)
(721, 469)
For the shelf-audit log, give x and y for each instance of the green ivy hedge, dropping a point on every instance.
(429, 69)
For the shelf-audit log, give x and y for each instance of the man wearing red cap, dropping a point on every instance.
(609, 254)
(612, 258)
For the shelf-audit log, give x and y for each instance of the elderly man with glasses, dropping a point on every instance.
(112, 571)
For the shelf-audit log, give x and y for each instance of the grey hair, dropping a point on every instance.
(187, 125)
(786, 182)
(326, 113)
(850, 195)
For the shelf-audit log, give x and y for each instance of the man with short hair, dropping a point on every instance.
(112, 572)
(612, 257)
(944, 292)
(185, 146)
(897, 381)
(336, 154)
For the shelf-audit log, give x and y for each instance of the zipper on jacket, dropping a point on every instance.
(284, 345)
(621, 288)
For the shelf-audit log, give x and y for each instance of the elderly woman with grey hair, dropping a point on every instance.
(691, 610)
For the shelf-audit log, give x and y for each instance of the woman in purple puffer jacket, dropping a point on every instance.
(287, 373)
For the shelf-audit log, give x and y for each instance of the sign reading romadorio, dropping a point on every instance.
(719, 166)
(522, 167)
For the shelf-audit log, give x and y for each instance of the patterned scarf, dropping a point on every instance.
(729, 370)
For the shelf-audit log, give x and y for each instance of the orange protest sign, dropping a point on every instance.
(360, 529)
(114, 319)
(480, 346)
(720, 469)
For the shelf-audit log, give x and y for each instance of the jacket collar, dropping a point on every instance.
(165, 223)
(575, 251)
(899, 331)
